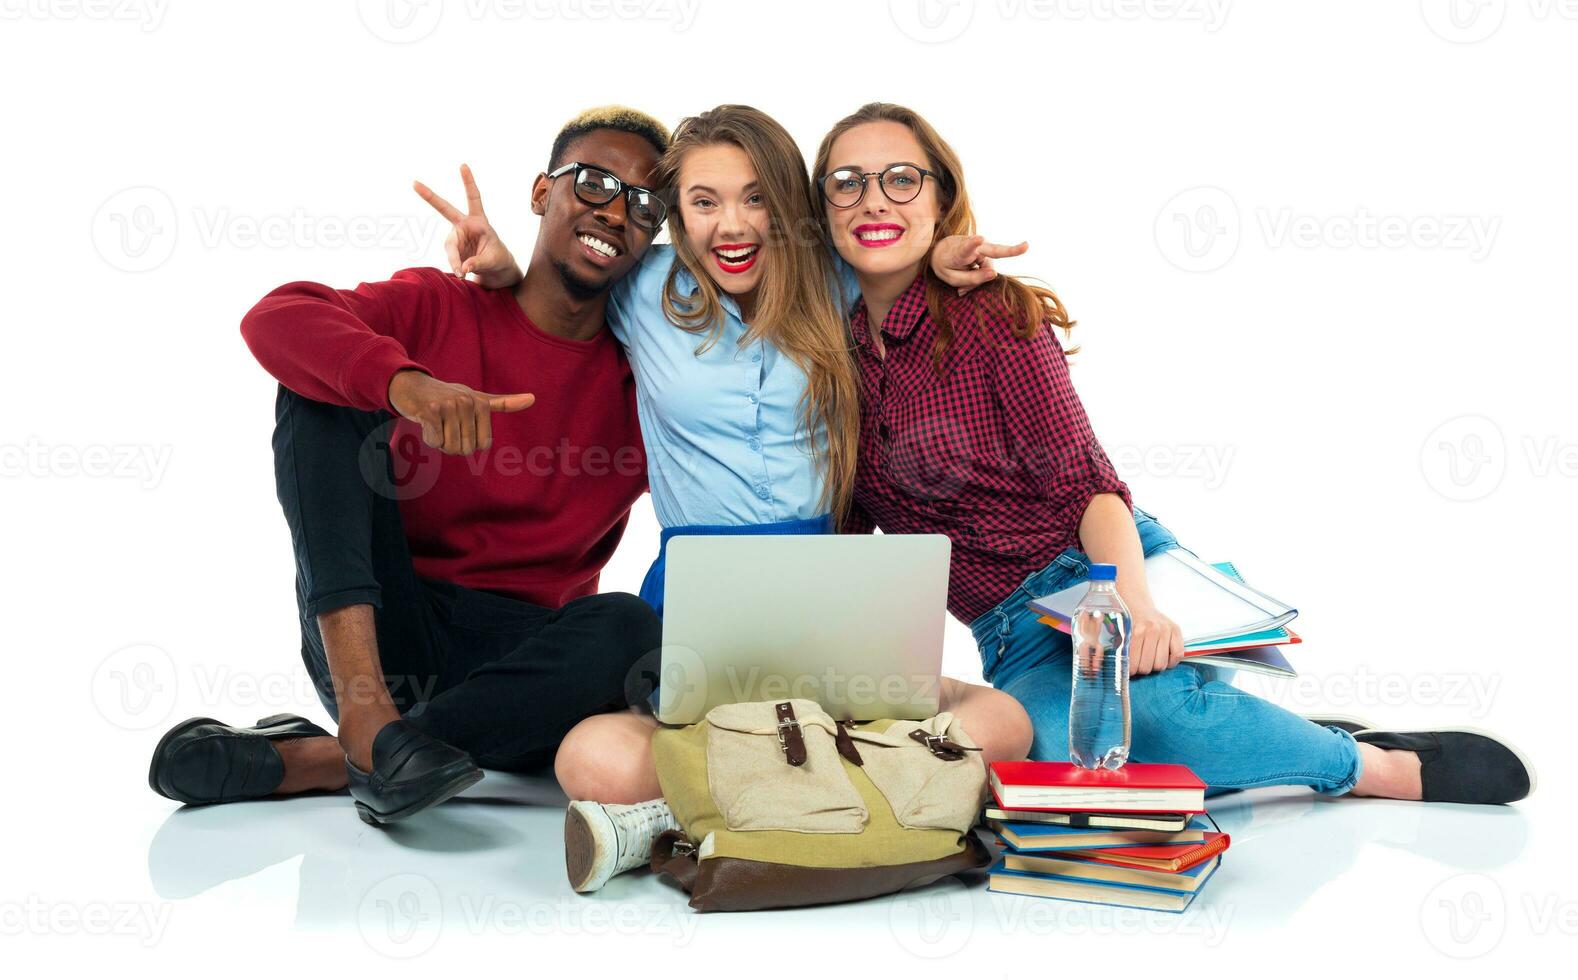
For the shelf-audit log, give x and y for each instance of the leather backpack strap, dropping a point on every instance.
(846, 745)
(790, 736)
(669, 844)
(674, 855)
(941, 746)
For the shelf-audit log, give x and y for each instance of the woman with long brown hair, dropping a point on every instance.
(748, 407)
(971, 428)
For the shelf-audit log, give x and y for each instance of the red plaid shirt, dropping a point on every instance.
(995, 451)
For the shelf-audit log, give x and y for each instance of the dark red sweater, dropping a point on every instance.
(538, 515)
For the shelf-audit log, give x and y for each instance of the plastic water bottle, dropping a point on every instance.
(1098, 711)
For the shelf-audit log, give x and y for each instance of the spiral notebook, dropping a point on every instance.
(1205, 600)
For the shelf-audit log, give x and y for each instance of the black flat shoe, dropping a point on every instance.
(204, 761)
(412, 771)
(1351, 725)
(1461, 765)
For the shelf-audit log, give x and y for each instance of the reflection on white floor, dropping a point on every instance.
(492, 861)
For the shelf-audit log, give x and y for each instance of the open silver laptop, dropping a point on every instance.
(854, 622)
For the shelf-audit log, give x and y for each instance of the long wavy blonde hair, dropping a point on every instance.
(795, 306)
(1029, 306)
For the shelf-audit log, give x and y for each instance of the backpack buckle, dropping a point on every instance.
(790, 738)
(941, 746)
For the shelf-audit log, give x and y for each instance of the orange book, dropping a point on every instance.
(1171, 858)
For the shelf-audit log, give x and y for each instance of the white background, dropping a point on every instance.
(1321, 257)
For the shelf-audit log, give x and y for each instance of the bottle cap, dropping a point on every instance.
(1104, 573)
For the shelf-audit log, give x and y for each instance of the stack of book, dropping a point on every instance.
(1135, 837)
(1224, 621)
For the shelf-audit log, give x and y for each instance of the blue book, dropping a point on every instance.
(1030, 837)
(1102, 873)
(1064, 888)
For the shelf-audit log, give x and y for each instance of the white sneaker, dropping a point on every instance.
(605, 839)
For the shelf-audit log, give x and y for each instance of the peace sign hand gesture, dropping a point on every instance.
(473, 246)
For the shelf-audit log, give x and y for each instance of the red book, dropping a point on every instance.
(1139, 787)
(1171, 858)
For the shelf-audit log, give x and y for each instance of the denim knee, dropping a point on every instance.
(1044, 692)
(1181, 695)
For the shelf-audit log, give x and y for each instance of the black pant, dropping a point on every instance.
(500, 678)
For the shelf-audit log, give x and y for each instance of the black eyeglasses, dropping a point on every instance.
(900, 183)
(593, 185)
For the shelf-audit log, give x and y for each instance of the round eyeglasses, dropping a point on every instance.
(900, 183)
(594, 185)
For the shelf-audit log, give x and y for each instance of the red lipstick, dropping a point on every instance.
(740, 256)
(878, 234)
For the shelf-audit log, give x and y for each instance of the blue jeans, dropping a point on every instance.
(1188, 714)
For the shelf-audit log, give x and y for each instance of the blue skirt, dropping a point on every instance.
(652, 585)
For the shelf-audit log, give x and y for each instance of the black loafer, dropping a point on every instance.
(1461, 765)
(204, 761)
(1352, 726)
(412, 771)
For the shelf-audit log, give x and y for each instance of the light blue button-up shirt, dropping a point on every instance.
(722, 429)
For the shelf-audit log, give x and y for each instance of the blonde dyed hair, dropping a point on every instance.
(620, 118)
(795, 306)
